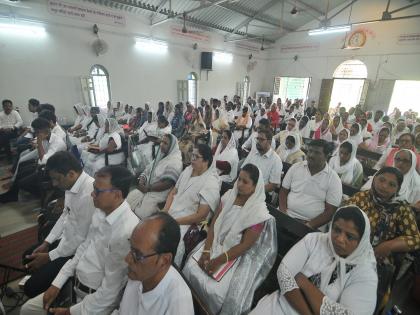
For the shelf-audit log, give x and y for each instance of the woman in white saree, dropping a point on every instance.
(195, 194)
(110, 142)
(331, 273)
(226, 158)
(159, 177)
(242, 229)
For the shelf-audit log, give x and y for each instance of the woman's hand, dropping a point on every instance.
(300, 279)
(204, 260)
(215, 264)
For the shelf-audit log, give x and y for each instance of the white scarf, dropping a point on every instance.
(411, 182)
(253, 212)
(363, 254)
(357, 138)
(229, 154)
(284, 152)
(345, 171)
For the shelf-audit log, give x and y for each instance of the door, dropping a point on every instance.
(325, 94)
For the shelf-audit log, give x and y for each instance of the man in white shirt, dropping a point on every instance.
(46, 260)
(311, 190)
(250, 143)
(98, 264)
(10, 122)
(266, 159)
(55, 128)
(154, 285)
(23, 142)
(29, 176)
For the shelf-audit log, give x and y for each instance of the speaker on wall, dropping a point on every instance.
(206, 60)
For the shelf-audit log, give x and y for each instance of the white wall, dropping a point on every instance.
(383, 56)
(49, 69)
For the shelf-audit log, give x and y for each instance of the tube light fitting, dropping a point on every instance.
(223, 57)
(330, 30)
(151, 45)
(34, 31)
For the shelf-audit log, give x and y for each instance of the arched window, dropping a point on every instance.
(192, 88)
(246, 88)
(350, 85)
(100, 93)
(351, 69)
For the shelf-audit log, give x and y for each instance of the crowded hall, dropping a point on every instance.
(232, 157)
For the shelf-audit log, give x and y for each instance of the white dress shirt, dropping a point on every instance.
(308, 194)
(73, 224)
(59, 132)
(171, 296)
(51, 146)
(99, 260)
(269, 164)
(13, 120)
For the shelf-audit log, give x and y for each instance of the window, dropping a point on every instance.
(405, 96)
(349, 84)
(291, 88)
(351, 69)
(192, 88)
(100, 93)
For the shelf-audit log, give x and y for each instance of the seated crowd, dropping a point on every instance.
(160, 207)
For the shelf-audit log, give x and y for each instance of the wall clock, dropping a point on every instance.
(357, 39)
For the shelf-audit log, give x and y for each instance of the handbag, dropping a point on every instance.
(194, 235)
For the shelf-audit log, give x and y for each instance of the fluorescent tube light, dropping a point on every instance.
(22, 30)
(223, 57)
(152, 46)
(330, 30)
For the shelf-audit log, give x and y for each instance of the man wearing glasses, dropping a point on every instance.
(154, 286)
(266, 159)
(97, 267)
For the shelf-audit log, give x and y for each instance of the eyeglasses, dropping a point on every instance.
(397, 159)
(139, 257)
(97, 191)
(195, 156)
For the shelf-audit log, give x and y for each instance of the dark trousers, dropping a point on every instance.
(42, 278)
(5, 137)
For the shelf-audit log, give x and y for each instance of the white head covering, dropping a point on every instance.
(411, 182)
(113, 125)
(79, 109)
(363, 254)
(357, 138)
(346, 171)
(253, 212)
(284, 152)
(229, 154)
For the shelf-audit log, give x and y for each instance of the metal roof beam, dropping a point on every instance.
(405, 7)
(160, 6)
(200, 7)
(141, 5)
(241, 10)
(341, 10)
(249, 19)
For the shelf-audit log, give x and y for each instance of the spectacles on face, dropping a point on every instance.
(400, 160)
(138, 256)
(195, 156)
(97, 191)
